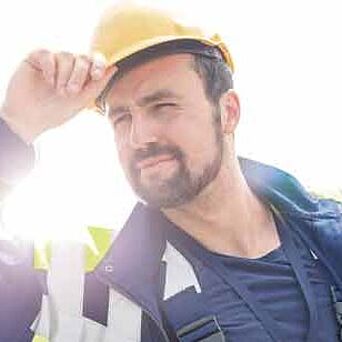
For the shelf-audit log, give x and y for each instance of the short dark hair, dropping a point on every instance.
(215, 74)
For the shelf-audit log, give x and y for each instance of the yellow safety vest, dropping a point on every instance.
(60, 318)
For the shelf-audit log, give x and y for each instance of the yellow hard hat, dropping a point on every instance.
(127, 29)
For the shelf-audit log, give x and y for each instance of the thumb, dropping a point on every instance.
(94, 88)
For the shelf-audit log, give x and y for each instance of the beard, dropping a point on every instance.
(184, 185)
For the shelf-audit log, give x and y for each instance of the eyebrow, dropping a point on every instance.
(162, 94)
(116, 111)
(159, 95)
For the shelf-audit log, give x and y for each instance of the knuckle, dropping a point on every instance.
(42, 60)
(79, 74)
(66, 54)
(97, 69)
(76, 79)
(38, 56)
(82, 63)
(65, 59)
(80, 71)
(49, 60)
(84, 58)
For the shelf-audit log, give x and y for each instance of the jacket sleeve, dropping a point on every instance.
(16, 159)
(20, 291)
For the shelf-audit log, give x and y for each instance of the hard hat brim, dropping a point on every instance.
(126, 54)
(142, 45)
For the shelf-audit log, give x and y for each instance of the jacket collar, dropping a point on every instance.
(132, 264)
(135, 256)
(282, 190)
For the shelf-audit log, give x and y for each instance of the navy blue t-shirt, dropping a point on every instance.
(271, 281)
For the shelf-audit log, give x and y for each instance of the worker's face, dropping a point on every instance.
(168, 141)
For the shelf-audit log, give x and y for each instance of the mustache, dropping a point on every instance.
(155, 150)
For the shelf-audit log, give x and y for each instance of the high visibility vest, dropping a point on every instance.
(60, 318)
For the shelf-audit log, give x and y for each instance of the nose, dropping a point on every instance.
(143, 131)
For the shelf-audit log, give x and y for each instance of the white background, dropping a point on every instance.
(287, 56)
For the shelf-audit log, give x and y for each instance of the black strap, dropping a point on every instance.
(262, 315)
(337, 302)
(296, 261)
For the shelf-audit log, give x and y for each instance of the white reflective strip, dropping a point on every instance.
(66, 277)
(41, 325)
(93, 331)
(70, 329)
(66, 283)
(61, 316)
(34, 325)
(90, 331)
(179, 273)
(124, 319)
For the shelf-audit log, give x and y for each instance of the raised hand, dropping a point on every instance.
(49, 89)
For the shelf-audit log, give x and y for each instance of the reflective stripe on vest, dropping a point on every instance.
(100, 240)
(61, 316)
(124, 319)
(124, 324)
(179, 273)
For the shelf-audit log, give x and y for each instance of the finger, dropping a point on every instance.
(94, 88)
(65, 64)
(43, 60)
(98, 67)
(79, 75)
(48, 64)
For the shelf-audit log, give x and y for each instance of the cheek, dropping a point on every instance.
(199, 146)
(124, 155)
(121, 136)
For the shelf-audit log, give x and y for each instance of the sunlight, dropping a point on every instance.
(68, 192)
(288, 78)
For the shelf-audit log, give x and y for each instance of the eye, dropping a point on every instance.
(163, 106)
(125, 117)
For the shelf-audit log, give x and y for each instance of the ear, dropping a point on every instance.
(230, 111)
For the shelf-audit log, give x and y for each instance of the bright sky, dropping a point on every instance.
(288, 73)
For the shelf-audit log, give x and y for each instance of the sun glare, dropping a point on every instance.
(287, 75)
(84, 186)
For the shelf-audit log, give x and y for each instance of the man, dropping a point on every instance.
(220, 249)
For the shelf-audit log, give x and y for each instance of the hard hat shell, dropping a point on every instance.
(126, 30)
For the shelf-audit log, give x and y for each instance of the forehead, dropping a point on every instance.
(172, 72)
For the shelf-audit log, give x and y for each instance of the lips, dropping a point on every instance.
(153, 161)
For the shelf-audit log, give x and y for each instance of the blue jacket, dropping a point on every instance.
(135, 256)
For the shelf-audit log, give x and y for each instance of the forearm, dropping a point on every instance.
(16, 158)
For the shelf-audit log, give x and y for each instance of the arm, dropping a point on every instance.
(46, 90)
(16, 158)
(19, 305)
(38, 98)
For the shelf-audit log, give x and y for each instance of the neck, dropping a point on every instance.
(227, 217)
